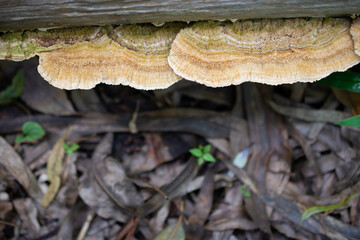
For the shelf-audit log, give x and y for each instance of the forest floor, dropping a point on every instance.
(278, 152)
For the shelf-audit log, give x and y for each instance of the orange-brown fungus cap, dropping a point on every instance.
(272, 51)
(134, 55)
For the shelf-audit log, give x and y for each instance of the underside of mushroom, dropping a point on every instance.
(271, 51)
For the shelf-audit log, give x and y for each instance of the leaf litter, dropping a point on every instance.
(278, 152)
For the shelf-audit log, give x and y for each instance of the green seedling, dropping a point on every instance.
(202, 153)
(70, 149)
(244, 192)
(14, 90)
(327, 208)
(32, 131)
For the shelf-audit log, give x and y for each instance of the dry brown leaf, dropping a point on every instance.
(111, 175)
(227, 234)
(68, 193)
(290, 232)
(157, 222)
(331, 137)
(329, 116)
(19, 170)
(93, 194)
(176, 188)
(28, 214)
(355, 212)
(221, 144)
(349, 99)
(232, 223)
(326, 163)
(202, 209)
(5, 208)
(54, 168)
(172, 232)
(157, 150)
(230, 213)
(51, 191)
(291, 209)
(316, 127)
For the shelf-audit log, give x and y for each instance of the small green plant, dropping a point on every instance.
(70, 149)
(244, 192)
(32, 132)
(14, 90)
(202, 153)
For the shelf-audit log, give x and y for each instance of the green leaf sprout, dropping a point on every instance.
(203, 154)
(244, 192)
(32, 132)
(14, 90)
(70, 149)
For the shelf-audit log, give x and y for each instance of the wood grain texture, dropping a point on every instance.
(31, 14)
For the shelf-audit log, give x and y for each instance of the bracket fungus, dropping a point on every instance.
(216, 54)
(80, 58)
(272, 51)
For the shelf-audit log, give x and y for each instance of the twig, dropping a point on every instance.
(132, 124)
(126, 229)
(86, 225)
(178, 221)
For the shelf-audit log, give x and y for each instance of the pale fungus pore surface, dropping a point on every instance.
(144, 56)
(272, 51)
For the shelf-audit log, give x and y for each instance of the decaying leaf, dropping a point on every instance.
(202, 209)
(54, 168)
(103, 189)
(172, 232)
(172, 190)
(16, 167)
(28, 214)
(329, 116)
(112, 177)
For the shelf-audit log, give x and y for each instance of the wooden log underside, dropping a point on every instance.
(32, 14)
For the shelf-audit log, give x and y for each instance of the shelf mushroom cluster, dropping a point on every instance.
(272, 51)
